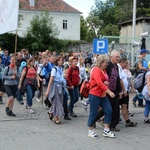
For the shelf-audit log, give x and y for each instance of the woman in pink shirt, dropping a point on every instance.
(29, 82)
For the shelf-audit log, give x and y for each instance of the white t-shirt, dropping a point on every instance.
(123, 77)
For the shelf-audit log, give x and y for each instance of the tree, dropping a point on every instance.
(42, 32)
(83, 28)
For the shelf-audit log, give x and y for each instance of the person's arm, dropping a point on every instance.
(5, 74)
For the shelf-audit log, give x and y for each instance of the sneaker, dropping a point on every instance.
(84, 105)
(21, 102)
(130, 114)
(146, 120)
(114, 129)
(26, 105)
(38, 100)
(31, 111)
(45, 107)
(131, 124)
(1, 100)
(73, 114)
(108, 134)
(141, 106)
(92, 135)
(134, 103)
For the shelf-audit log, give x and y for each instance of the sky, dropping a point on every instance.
(82, 5)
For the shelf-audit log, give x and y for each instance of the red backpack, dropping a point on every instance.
(85, 89)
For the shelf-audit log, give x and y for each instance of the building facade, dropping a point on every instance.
(65, 17)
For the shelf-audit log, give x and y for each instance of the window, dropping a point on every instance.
(64, 24)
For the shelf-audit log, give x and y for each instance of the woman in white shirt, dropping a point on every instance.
(82, 72)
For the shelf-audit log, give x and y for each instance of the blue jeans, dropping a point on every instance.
(30, 94)
(74, 97)
(140, 101)
(147, 108)
(95, 102)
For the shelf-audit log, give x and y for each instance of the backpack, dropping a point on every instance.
(139, 82)
(85, 89)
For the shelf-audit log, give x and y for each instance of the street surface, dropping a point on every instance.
(36, 132)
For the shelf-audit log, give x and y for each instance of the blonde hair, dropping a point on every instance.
(80, 59)
(101, 59)
(29, 60)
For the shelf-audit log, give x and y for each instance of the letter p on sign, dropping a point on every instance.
(100, 46)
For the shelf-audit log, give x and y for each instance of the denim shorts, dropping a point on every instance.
(10, 90)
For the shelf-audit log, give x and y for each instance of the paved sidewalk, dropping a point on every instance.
(36, 132)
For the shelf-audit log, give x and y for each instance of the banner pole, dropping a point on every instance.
(16, 40)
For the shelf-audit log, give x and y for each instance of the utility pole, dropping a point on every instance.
(133, 31)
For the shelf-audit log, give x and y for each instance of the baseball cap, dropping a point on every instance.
(143, 51)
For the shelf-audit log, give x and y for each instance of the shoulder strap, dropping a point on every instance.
(26, 72)
(7, 70)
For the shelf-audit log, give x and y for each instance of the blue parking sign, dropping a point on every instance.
(100, 46)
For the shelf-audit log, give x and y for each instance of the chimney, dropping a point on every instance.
(32, 3)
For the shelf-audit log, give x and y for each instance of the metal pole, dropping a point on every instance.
(133, 32)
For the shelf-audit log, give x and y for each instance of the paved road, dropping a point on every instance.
(37, 132)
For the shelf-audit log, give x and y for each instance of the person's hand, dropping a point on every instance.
(125, 93)
(106, 83)
(111, 94)
(13, 77)
(46, 93)
(71, 87)
(19, 86)
(120, 95)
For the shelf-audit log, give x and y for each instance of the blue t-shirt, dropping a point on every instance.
(57, 72)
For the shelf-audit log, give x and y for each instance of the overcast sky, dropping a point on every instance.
(82, 5)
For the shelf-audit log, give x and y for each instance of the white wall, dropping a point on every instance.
(73, 19)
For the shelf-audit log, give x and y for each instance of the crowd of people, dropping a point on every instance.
(60, 78)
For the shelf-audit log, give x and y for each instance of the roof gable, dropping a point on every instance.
(49, 5)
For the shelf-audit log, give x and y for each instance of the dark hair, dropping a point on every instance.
(58, 59)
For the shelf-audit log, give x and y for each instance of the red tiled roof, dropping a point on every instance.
(50, 5)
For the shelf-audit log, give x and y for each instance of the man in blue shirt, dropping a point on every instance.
(6, 58)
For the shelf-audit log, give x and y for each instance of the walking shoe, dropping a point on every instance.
(31, 111)
(130, 115)
(38, 100)
(12, 114)
(67, 118)
(108, 134)
(73, 114)
(1, 100)
(26, 105)
(131, 124)
(7, 110)
(92, 135)
(21, 102)
(146, 120)
(114, 129)
(84, 105)
(141, 106)
(134, 103)
(45, 107)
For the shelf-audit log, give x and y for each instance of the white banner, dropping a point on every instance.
(8, 15)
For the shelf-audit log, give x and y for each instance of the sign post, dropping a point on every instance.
(100, 46)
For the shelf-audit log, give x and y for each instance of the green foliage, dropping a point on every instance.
(111, 12)
(41, 33)
(7, 41)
